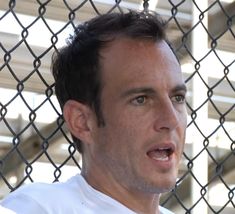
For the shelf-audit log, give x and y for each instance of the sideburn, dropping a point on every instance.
(98, 112)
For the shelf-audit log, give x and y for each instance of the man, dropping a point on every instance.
(123, 99)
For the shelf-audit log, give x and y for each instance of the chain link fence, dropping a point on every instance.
(32, 129)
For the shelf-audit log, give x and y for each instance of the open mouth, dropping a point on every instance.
(161, 153)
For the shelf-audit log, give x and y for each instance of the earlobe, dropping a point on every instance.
(77, 117)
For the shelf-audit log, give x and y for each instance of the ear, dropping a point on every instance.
(79, 119)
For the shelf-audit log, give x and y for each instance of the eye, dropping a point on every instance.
(140, 100)
(179, 99)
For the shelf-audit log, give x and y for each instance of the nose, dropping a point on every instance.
(167, 117)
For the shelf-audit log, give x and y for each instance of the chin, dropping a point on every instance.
(160, 187)
(168, 188)
(167, 184)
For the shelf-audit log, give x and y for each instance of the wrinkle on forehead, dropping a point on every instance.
(135, 46)
(128, 59)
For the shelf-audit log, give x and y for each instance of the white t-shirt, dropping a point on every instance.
(4, 210)
(75, 196)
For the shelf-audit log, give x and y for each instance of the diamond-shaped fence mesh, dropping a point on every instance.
(34, 141)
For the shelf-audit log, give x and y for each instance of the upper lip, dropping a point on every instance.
(168, 146)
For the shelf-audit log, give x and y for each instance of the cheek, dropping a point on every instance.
(123, 121)
(123, 135)
(181, 132)
(182, 122)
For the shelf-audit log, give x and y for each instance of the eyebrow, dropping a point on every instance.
(144, 90)
(147, 90)
(181, 87)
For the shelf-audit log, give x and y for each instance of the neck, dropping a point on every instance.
(136, 200)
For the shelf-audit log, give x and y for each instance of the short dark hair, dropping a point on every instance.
(76, 67)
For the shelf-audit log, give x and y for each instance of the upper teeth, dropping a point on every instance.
(162, 149)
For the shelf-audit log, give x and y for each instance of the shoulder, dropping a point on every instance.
(4, 210)
(40, 197)
(41, 190)
(23, 201)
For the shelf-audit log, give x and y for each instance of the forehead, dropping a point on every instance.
(128, 61)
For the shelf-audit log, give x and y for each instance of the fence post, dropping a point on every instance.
(200, 164)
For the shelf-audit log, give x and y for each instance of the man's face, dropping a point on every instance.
(142, 102)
